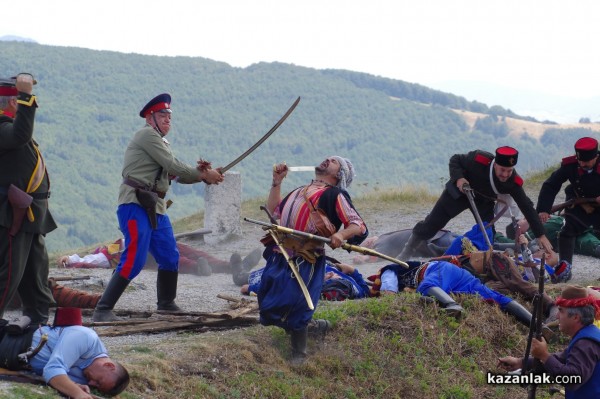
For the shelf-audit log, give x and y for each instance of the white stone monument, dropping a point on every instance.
(223, 209)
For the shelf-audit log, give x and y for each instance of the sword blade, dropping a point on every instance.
(301, 168)
(262, 140)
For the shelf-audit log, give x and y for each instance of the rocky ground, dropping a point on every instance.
(199, 293)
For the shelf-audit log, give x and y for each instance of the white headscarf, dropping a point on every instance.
(346, 173)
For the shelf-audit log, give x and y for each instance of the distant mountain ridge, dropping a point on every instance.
(528, 102)
(12, 38)
(396, 133)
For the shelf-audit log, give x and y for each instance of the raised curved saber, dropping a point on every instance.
(262, 140)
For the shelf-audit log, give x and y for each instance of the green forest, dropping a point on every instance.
(396, 133)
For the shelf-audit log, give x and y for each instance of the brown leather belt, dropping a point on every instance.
(4, 191)
(136, 184)
(421, 274)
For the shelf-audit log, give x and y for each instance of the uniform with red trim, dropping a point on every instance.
(582, 172)
(149, 167)
(24, 214)
(483, 171)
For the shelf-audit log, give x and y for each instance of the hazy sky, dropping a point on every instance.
(545, 46)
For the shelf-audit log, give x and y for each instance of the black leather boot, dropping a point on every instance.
(450, 306)
(166, 290)
(566, 247)
(252, 259)
(518, 311)
(409, 248)
(298, 341)
(112, 293)
(523, 316)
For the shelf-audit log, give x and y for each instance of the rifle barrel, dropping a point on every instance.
(346, 246)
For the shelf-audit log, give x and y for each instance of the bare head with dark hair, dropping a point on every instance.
(107, 375)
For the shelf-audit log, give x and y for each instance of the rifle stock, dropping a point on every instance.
(535, 328)
(571, 203)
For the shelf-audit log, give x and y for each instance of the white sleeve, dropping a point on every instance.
(98, 260)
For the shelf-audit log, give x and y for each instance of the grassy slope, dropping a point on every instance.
(387, 347)
(392, 347)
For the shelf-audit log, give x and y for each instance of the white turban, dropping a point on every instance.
(346, 173)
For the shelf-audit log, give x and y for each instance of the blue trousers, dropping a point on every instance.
(280, 299)
(455, 280)
(140, 239)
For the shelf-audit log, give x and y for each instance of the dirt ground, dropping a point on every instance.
(199, 293)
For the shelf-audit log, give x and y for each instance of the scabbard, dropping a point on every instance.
(19, 201)
(290, 262)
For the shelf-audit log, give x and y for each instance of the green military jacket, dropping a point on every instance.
(148, 158)
(18, 159)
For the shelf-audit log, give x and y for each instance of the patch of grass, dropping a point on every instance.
(395, 198)
(389, 347)
(538, 177)
(30, 392)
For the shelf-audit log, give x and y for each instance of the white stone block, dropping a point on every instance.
(223, 209)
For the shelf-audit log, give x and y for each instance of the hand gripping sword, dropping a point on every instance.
(262, 139)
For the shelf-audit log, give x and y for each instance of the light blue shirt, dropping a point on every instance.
(69, 351)
(389, 281)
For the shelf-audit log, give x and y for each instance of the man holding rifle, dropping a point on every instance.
(577, 311)
(287, 299)
(487, 176)
(582, 170)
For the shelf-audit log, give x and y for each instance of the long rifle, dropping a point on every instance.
(346, 246)
(535, 328)
(571, 203)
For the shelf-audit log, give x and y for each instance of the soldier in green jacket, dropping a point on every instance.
(148, 170)
(24, 192)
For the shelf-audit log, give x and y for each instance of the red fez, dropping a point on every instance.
(586, 148)
(67, 317)
(506, 156)
(160, 103)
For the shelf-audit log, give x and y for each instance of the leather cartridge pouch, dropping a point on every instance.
(19, 201)
(319, 218)
(477, 264)
(306, 248)
(14, 342)
(148, 200)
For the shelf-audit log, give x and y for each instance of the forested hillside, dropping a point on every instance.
(396, 133)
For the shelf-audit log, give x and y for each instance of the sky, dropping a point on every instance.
(467, 47)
